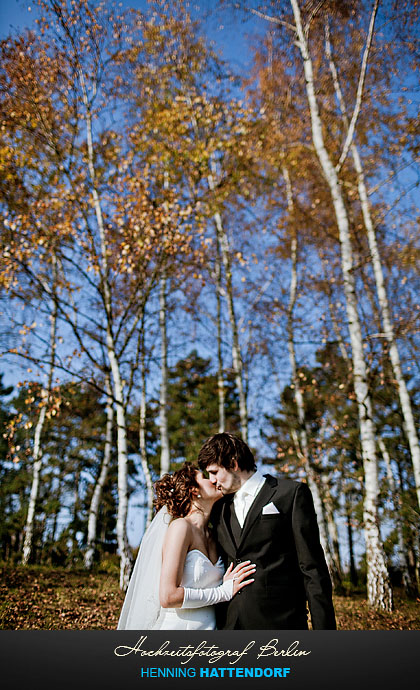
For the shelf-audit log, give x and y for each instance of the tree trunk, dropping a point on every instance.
(125, 552)
(378, 585)
(100, 482)
(236, 351)
(385, 312)
(220, 379)
(353, 571)
(76, 510)
(163, 400)
(332, 531)
(57, 510)
(29, 527)
(118, 394)
(37, 466)
(142, 436)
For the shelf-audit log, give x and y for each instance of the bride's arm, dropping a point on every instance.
(172, 595)
(174, 552)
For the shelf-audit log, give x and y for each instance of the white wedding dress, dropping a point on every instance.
(199, 572)
(141, 608)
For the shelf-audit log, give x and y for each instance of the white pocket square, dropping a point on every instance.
(270, 509)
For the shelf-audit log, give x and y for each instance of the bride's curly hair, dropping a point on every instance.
(176, 490)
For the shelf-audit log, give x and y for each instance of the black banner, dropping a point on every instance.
(173, 660)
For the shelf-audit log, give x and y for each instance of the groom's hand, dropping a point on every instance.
(239, 575)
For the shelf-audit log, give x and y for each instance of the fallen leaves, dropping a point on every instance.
(59, 599)
(34, 598)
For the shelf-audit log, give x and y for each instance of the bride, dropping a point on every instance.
(178, 578)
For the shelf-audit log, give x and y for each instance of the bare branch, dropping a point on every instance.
(40, 362)
(392, 175)
(352, 126)
(312, 16)
(273, 20)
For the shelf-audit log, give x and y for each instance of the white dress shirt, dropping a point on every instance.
(245, 496)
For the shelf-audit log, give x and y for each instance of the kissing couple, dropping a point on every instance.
(258, 566)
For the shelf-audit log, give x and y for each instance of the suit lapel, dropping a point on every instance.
(263, 497)
(224, 525)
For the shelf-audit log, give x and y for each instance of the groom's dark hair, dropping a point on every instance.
(223, 449)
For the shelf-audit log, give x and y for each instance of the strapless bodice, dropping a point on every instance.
(199, 572)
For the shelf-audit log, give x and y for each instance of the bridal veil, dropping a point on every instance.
(141, 606)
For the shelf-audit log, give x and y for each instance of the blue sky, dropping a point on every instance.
(228, 31)
(229, 35)
(13, 13)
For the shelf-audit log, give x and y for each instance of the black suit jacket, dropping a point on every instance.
(291, 567)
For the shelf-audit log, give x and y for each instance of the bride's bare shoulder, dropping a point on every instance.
(179, 527)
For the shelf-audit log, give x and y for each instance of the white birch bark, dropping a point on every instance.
(100, 482)
(163, 398)
(352, 124)
(124, 549)
(142, 439)
(38, 455)
(378, 585)
(118, 393)
(76, 508)
(220, 379)
(37, 465)
(385, 312)
(332, 528)
(236, 350)
(165, 453)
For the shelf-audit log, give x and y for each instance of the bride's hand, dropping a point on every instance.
(239, 575)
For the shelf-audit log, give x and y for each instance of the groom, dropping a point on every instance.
(271, 522)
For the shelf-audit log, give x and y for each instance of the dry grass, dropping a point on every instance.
(58, 599)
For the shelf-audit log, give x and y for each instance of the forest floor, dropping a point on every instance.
(41, 598)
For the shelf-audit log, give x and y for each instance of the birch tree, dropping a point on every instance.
(378, 585)
(38, 452)
(220, 379)
(44, 404)
(100, 482)
(163, 398)
(165, 452)
(88, 92)
(302, 443)
(385, 311)
(111, 227)
(142, 431)
(223, 242)
(203, 119)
